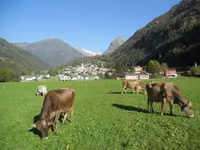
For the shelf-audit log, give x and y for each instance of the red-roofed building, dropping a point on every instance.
(170, 73)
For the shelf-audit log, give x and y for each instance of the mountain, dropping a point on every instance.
(52, 51)
(88, 53)
(116, 43)
(18, 59)
(172, 38)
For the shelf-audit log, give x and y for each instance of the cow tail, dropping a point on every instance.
(73, 97)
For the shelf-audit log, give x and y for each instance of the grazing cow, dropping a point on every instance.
(133, 84)
(165, 92)
(56, 102)
(41, 90)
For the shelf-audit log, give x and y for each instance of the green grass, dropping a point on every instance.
(103, 118)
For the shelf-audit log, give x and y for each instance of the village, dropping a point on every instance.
(95, 72)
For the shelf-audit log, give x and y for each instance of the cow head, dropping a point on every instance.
(42, 126)
(187, 108)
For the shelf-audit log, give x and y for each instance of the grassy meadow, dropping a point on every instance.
(103, 118)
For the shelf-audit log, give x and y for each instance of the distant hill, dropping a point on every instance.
(18, 59)
(116, 43)
(52, 51)
(172, 37)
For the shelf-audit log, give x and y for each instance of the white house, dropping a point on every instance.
(144, 76)
(132, 77)
(136, 76)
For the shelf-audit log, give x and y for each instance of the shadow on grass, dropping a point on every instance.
(130, 108)
(33, 129)
(124, 93)
(36, 118)
(113, 92)
(125, 145)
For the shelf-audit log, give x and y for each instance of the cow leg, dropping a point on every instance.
(64, 119)
(163, 106)
(170, 107)
(55, 121)
(71, 113)
(148, 103)
(124, 90)
(151, 105)
(136, 90)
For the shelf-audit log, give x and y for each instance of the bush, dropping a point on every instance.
(8, 75)
(195, 70)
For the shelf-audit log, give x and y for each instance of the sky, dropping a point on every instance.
(87, 24)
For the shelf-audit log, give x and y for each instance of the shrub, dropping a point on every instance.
(195, 70)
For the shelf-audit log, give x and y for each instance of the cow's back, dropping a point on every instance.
(60, 99)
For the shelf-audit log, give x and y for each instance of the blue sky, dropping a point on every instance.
(88, 24)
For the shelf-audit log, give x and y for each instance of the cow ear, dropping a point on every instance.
(34, 125)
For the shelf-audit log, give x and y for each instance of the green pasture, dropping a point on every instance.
(103, 118)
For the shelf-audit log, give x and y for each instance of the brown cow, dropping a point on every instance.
(165, 92)
(56, 102)
(133, 84)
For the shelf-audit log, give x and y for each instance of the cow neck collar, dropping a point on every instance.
(184, 105)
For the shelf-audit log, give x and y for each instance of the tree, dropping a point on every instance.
(195, 70)
(53, 72)
(164, 66)
(8, 75)
(153, 67)
(118, 68)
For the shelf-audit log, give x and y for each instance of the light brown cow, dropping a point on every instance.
(56, 102)
(165, 92)
(136, 85)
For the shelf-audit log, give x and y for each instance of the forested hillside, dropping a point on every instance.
(173, 37)
(19, 60)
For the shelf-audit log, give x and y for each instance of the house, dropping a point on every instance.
(138, 69)
(27, 78)
(136, 76)
(131, 77)
(144, 76)
(170, 73)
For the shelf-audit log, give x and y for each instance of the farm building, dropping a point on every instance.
(136, 76)
(138, 69)
(170, 73)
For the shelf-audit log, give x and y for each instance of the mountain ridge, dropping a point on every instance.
(53, 51)
(116, 43)
(18, 59)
